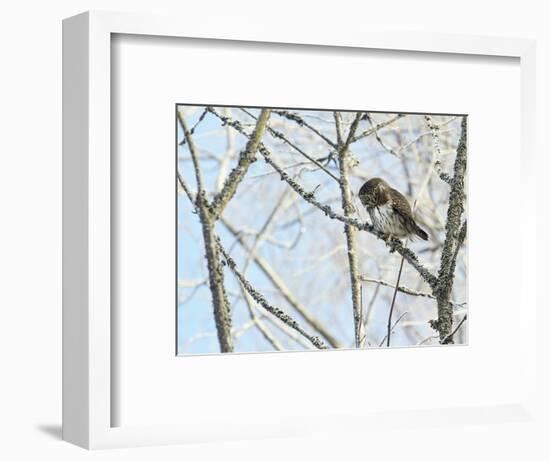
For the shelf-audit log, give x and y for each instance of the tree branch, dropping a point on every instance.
(278, 283)
(278, 135)
(246, 158)
(434, 129)
(447, 338)
(388, 335)
(301, 122)
(185, 188)
(260, 299)
(390, 329)
(407, 291)
(192, 130)
(393, 244)
(269, 337)
(377, 127)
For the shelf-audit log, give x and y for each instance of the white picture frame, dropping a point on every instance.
(88, 364)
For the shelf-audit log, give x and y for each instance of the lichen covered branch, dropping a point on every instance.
(262, 301)
(246, 158)
(285, 292)
(375, 128)
(278, 135)
(408, 291)
(454, 237)
(301, 122)
(434, 129)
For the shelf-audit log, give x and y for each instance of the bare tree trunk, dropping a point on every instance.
(348, 208)
(455, 233)
(220, 303)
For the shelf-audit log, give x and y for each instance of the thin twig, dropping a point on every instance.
(228, 155)
(366, 317)
(408, 291)
(194, 127)
(251, 253)
(278, 135)
(269, 337)
(388, 335)
(185, 188)
(447, 338)
(384, 339)
(301, 122)
(378, 138)
(293, 335)
(377, 127)
(435, 135)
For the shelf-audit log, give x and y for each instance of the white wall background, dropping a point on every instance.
(30, 230)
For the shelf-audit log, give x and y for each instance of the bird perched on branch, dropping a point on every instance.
(389, 210)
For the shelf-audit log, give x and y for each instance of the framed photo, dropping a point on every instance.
(270, 233)
(337, 289)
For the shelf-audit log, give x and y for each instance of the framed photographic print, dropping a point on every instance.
(271, 233)
(296, 194)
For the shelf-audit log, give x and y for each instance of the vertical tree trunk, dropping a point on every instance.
(348, 208)
(222, 315)
(454, 237)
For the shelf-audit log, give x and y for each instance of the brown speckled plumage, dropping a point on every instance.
(389, 210)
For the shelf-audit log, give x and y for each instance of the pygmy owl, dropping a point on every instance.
(389, 210)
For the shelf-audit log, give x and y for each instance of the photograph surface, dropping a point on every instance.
(308, 229)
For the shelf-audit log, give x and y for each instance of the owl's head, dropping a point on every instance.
(375, 192)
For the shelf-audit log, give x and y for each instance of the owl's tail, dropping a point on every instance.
(420, 232)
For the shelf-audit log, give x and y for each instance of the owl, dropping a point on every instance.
(389, 210)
